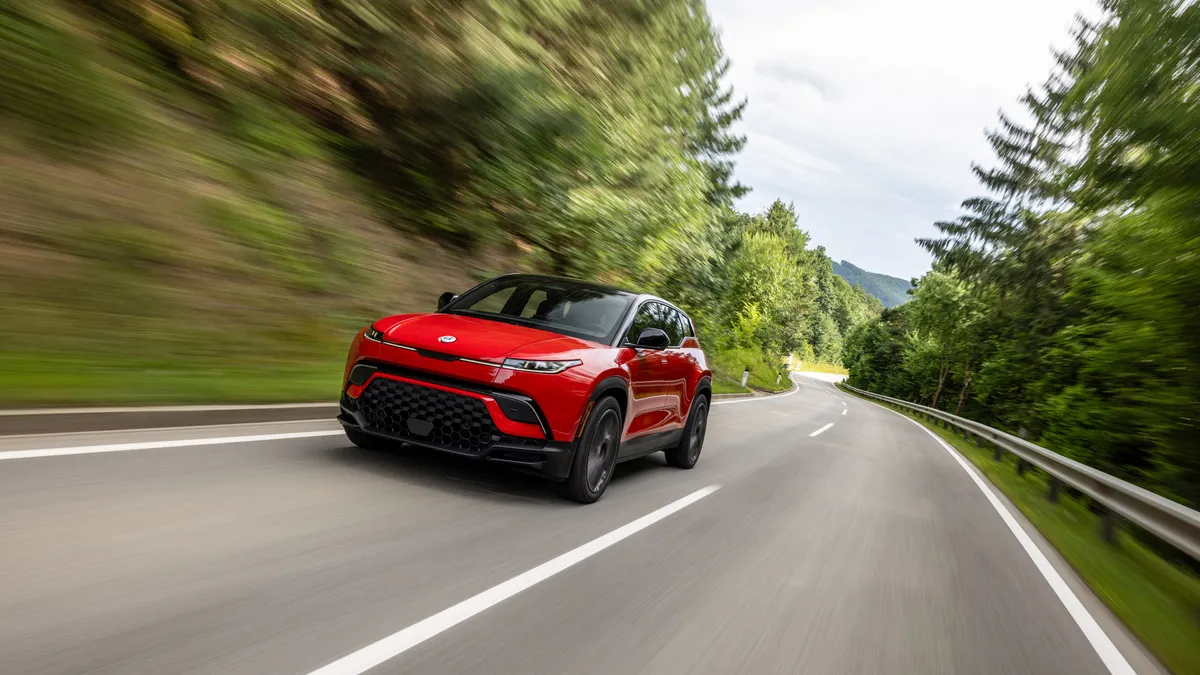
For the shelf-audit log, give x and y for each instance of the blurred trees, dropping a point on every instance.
(1069, 299)
(228, 162)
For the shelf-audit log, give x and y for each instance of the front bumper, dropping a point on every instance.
(456, 418)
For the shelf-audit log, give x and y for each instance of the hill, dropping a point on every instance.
(891, 291)
(200, 205)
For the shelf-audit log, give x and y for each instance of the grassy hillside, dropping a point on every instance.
(892, 291)
(202, 202)
(198, 259)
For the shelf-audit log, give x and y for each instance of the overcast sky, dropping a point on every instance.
(867, 113)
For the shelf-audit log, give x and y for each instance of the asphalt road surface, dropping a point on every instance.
(865, 548)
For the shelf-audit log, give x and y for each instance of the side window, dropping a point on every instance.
(685, 326)
(662, 317)
(644, 319)
(669, 322)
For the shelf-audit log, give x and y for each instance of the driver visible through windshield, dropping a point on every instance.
(557, 305)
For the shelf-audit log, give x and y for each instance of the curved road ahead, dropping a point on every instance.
(866, 548)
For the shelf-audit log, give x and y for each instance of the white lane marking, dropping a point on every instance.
(183, 443)
(154, 445)
(795, 388)
(401, 641)
(820, 430)
(1105, 649)
(164, 408)
(843, 411)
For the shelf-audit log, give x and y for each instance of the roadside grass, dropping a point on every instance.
(111, 380)
(728, 365)
(721, 385)
(829, 368)
(1157, 600)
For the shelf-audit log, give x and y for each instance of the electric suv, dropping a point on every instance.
(553, 376)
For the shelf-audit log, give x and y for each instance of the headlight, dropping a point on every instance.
(550, 367)
(374, 333)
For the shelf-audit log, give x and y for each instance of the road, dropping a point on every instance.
(865, 548)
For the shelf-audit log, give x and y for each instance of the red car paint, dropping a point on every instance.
(661, 382)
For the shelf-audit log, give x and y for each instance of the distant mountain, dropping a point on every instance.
(891, 291)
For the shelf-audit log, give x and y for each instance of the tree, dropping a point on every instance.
(1065, 300)
(936, 312)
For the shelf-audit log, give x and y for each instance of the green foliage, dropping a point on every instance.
(1066, 302)
(253, 178)
(53, 81)
(728, 366)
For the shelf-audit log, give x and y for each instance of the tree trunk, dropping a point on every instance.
(941, 382)
(962, 396)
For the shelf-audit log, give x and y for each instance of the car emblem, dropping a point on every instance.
(447, 339)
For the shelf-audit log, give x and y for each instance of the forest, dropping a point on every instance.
(220, 192)
(1064, 303)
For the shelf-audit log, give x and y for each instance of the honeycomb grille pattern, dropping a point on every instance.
(454, 422)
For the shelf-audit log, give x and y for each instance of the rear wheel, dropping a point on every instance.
(685, 455)
(596, 454)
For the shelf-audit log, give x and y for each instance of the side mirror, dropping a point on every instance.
(652, 338)
(445, 299)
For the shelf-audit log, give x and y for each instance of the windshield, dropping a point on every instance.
(567, 307)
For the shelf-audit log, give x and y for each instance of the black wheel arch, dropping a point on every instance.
(613, 385)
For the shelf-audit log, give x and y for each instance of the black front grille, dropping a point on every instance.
(426, 415)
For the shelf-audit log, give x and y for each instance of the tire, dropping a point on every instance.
(363, 440)
(596, 454)
(685, 455)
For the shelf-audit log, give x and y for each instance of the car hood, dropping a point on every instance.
(475, 338)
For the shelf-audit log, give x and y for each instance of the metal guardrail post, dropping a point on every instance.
(1055, 486)
(1108, 527)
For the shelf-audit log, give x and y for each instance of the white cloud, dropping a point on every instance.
(868, 113)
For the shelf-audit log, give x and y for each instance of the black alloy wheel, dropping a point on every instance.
(603, 449)
(596, 455)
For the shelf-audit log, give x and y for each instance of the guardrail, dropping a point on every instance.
(1172, 522)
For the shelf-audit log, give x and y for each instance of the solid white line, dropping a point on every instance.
(154, 445)
(183, 443)
(166, 409)
(843, 411)
(399, 642)
(1105, 649)
(820, 430)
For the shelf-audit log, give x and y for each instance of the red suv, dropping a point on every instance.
(558, 377)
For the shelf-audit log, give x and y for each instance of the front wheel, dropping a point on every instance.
(596, 455)
(685, 455)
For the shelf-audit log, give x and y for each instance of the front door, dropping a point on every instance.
(653, 378)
